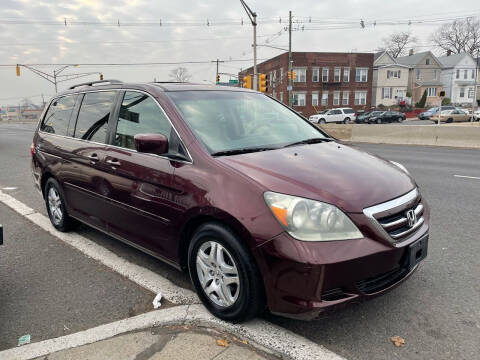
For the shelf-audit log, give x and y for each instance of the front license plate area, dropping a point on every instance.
(417, 251)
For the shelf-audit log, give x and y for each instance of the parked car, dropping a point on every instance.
(386, 117)
(449, 116)
(363, 118)
(476, 115)
(262, 214)
(426, 115)
(339, 115)
(314, 118)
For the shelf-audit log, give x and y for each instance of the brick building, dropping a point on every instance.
(323, 80)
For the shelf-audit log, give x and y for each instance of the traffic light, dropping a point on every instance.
(218, 79)
(247, 81)
(292, 75)
(101, 77)
(263, 84)
(18, 70)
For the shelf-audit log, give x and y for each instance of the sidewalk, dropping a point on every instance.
(177, 342)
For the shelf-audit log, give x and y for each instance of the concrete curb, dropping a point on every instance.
(260, 334)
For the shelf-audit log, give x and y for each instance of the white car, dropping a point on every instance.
(476, 115)
(339, 115)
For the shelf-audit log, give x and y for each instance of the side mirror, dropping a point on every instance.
(151, 143)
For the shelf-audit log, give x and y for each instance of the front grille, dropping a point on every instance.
(400, 218)
(380, 282)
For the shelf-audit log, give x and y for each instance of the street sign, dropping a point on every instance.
(289, 88)
(233, 81)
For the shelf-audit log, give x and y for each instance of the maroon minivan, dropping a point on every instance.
(262, 208)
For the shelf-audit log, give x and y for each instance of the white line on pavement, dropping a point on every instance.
(259, 333)
(140, 275)
(467, 177)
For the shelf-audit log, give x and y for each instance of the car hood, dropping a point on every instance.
(330, 172)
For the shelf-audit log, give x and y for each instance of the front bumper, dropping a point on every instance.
(305, 279)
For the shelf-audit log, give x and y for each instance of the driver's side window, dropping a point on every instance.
(139, 114)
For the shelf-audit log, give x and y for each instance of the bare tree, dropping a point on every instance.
(458, 36)
(180, 74)
(396, 44)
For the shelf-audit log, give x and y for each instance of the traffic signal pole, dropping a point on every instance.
(253, 19)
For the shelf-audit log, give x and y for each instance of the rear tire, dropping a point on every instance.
(321, 121)
(227, 281)
(379, 121)
(346, 121)
(56, 208)
(449, 120)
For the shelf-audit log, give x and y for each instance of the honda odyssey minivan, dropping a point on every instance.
(261, 207)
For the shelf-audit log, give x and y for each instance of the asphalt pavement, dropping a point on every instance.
(436, 311)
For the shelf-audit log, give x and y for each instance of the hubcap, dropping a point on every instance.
(55, 205)
(217, 274)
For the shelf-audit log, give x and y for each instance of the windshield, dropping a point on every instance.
(233, 120)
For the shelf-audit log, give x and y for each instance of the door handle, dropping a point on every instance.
(93, 158)
(113, 163)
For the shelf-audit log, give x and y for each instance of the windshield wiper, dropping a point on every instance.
(242, 151)
(309, 141)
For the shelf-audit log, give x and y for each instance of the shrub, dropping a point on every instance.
(446, 101)
(423, 100)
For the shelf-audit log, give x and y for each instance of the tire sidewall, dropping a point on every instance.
(62, 225)
(218, 233)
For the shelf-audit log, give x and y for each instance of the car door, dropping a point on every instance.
(142, 195)
(84, 173)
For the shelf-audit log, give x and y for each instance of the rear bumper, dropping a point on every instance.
(331, 274)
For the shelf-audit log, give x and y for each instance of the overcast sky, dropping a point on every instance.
(42, 43)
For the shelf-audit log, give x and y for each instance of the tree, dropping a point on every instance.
(395, 44)
(423, 100)
(458, 36)
(180, 74)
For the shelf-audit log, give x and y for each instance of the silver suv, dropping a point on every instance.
(339, 115)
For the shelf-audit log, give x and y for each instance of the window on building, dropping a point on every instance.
(325, 98)
(470, 93)
(473, 73)
(93, 116)
(361, 75)
(386, 93)
(274, 78)
(418, 74)
(345, 98)
(58, 115)
(315, 74)
(325, 74)
(395, 74)
(465, 73)
(300, 74)
(458, 73)
(462, 92)
(435, 74)
(360, 97)
(281, 96)
(274, 94)
(336, 74)
(346, 74)
(139, 114)
(298, 99)
(432, 91)
(281, 75)
(315, 99)
(336, 98)
(427, 61)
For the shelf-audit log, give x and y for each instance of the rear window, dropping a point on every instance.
(58, 115)
(348, 111)
(92, 122)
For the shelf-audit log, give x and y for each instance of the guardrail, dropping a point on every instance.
(433, 135)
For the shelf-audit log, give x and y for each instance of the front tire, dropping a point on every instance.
(321, 121)
(346, 121)
(57, 211)
(379, 121)
(224, 274)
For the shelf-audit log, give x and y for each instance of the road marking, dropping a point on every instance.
(140, 275)
(259, 333)
(467, 177)
(9, 188)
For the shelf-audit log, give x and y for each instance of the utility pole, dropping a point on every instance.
(290, 60)
(474, 100)
(253, 18)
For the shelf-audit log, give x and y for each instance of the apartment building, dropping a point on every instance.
(323, 80)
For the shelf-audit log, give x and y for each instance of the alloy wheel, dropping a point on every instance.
(55, 205)
(218, 274)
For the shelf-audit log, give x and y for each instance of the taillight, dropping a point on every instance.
(32, 149)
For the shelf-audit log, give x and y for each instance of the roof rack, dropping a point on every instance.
(91, 83)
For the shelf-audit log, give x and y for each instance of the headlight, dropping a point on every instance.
(400, 166)
(311, 220)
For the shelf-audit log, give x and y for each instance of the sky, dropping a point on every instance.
(129, 31)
